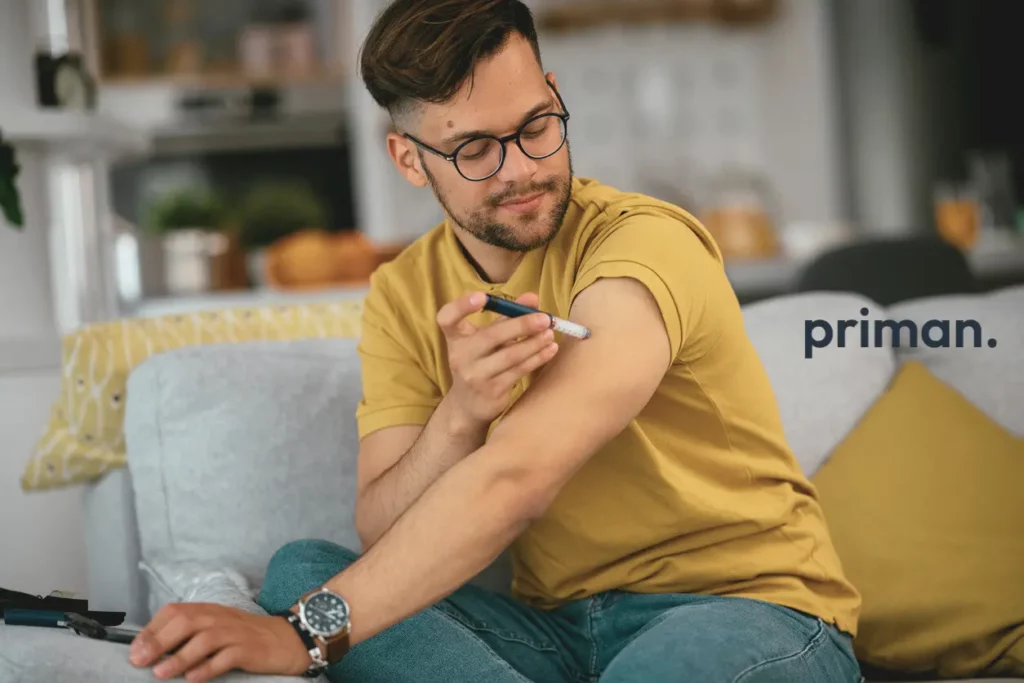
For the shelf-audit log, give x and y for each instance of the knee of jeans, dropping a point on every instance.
(307, 551)
(300, 566)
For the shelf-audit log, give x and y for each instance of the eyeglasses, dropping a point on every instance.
(481, 157)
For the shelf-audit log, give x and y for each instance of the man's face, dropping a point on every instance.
(522, 206)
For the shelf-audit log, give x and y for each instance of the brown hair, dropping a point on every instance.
(424, 50)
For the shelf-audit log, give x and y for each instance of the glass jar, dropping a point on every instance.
(741, 215)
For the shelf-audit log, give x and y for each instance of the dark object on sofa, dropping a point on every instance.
(10, 599)
(891, 270)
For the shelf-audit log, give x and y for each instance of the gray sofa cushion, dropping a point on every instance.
(43, 655)
(991, 378)
(823, 397)
(236, 449)
(31, 654)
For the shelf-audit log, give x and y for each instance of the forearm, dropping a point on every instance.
(446, 439)
(454, 531)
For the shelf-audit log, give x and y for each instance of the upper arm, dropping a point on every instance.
(675, 261)
(641, 292)
(590, 391)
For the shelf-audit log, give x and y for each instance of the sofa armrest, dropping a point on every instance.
(112, 548)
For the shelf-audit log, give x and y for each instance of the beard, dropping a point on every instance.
(482, 224)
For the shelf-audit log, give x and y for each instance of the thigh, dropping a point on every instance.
(735, 640)
(474, 635)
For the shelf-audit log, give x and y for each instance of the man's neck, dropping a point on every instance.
(493, 264)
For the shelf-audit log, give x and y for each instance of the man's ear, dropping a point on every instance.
(552, 79)
(406, 158)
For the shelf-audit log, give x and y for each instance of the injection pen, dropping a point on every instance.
(511, 309)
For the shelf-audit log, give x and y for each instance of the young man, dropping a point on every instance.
(660, 527)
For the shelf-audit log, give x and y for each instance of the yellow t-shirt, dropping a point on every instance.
(700, 493)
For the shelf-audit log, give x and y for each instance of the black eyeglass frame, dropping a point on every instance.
(451, 158)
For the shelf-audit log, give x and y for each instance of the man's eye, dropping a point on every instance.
(476, 149)
(537, 128)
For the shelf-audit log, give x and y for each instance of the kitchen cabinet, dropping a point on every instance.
(227, 43)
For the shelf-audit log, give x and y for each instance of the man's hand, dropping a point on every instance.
(213, 639)
(486, 362)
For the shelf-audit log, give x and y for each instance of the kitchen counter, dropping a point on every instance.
(996, 258)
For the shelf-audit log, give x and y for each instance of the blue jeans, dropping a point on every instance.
(481, 637)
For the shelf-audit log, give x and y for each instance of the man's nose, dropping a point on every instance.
(517, 165)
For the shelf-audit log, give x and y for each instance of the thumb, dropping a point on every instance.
(452, 316)
(529, 299)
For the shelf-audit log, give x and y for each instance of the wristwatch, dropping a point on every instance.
(323, 624)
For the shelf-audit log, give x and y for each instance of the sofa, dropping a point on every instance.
(234, 449)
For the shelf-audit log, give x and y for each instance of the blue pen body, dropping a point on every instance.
(509, 309)
(35, 617)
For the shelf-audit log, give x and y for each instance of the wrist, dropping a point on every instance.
(462, 425)
(308, 653)
(323, 616)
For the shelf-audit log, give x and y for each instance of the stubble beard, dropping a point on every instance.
(481, 223)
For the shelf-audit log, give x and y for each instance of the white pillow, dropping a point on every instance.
(173, 582)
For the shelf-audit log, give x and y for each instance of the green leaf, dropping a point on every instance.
(10, 200)
(10, 204)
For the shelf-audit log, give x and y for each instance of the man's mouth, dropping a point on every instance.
(523, 203)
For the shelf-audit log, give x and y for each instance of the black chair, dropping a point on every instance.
(891, 270)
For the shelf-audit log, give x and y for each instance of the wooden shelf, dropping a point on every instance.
(585, 14)
(229, 79)
(77, 134)
(296, 131)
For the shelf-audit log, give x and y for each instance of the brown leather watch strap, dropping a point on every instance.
(336, 647)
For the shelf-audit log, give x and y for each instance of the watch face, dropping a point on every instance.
(325, 613)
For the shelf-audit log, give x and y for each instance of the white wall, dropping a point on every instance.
(651, 113)
(803, 141)
(40, 534)
(896, 96)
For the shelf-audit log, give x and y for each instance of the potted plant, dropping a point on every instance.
(189, 223)
(272, 211)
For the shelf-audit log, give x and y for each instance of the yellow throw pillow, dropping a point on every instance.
(84, 437)
(925, 502)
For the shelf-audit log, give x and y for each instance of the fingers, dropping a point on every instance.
(196, 650)
(513, 354)
(509, 330)
(211, 640)
(224, 661)
(452, 316)
(143, 641)
(168, 629)
(529, 299)
(512, 375)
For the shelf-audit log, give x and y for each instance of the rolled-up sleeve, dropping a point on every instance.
(396, 389)
(672, 259)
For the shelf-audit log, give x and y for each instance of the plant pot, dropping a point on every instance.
(189, 260)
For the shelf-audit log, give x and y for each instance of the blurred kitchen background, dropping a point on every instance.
(243, 162)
